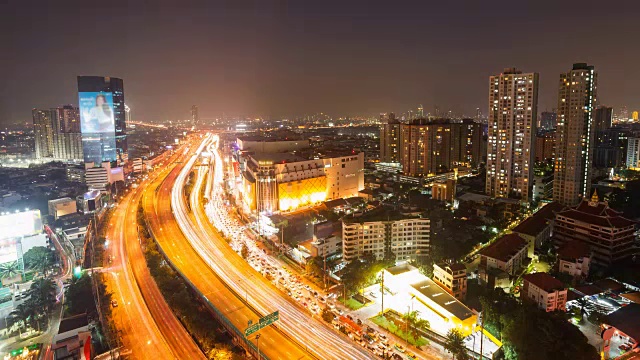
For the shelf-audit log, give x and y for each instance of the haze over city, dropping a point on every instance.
(290, 59)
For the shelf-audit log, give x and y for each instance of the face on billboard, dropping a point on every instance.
(96, 112)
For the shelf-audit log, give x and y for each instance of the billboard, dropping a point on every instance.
(97, 124)
(20, 224)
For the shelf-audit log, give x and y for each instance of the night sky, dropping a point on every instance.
(276, 59)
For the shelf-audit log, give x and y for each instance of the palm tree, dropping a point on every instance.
(455, 345)
(43, 294)
(415, 324)
(9, 269)
(22, 314)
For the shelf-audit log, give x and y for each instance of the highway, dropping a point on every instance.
(145, 322)
(322, 341)
(157, 202)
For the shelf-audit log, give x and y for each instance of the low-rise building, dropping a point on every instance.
(547, 292)
(452, 278)
(574, 258)
(537, 228)
(62, 207)
(507, 255)
(609, 234)
(385, 233)
(444, 190)
(73, 340)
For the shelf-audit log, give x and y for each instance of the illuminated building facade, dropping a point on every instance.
(390, 142)
(633, 153)
(575, 135)
(513, 103)
(276, 182)
(43, 133)
(383, 234)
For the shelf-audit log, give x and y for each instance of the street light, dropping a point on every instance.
(258, 345)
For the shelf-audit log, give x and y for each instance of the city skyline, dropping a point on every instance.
(305, 59)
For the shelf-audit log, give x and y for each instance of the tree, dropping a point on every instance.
(455, 345)
(39, 258)
(43, 294)
(22, 314)
(8, 270)
(220, 352)
(415, 324)
(327, 315)
(314, 267)
(244, 251)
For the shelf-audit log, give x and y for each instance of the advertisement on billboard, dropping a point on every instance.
(96, 112)
(97, 124)
(20, 224)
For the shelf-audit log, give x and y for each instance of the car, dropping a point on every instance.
(411, 355)
(114, 303)
(399, 348)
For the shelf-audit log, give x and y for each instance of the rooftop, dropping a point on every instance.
(505, 247)
(73, 322)
(572, 250)
(536, 223)
(627, 320)
(544, 281)
(277, 157)
(453, 267)
(399, 269)
(435, 293)
(597, 213)
(378, 214)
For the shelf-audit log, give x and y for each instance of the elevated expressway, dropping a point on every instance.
(145, 323)
(203, 256)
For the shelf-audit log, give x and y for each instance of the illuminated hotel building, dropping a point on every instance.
(575, 135)
(513, 104)
(276, 182)
(381, 234)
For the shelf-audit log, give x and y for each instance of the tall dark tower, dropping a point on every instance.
(194, 115)
(102, 119)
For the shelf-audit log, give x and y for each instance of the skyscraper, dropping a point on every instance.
(103, 123)
(603, 118)
(548, 120)
(390, 140)
(420, 113)
(194, 115)
(43, 133)
(634, 116)
(66, 119)
(513, 104)
(575, 135)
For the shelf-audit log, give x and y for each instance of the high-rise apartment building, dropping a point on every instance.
(545, 146)
(603, 118)
(633, 153)
(195, 118)
(513, 103)
(436, 146)
(43, 133)
(102, 119)
(390, 142)
(575, 135)
(66, 119)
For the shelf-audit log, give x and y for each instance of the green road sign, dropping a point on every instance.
(263, 322)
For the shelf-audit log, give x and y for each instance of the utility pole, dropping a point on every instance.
(382, 292)
(324, 273)
(258, 345)
(481, 334)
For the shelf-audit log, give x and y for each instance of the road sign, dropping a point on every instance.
(263, 322)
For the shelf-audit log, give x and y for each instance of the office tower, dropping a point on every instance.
(194, 115)
(633, 153)
(575, 135)
(420, 113)
(127, 111)
(103, 123)
(548, 120)
(432, 147)
(513, 103)
(603, 118)
(43, 133)
(634, 116)
(390, 142)
(66, 119)
(610, 148)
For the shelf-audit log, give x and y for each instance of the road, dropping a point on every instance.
(148, 326)
(157, 201)
(322, 341)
